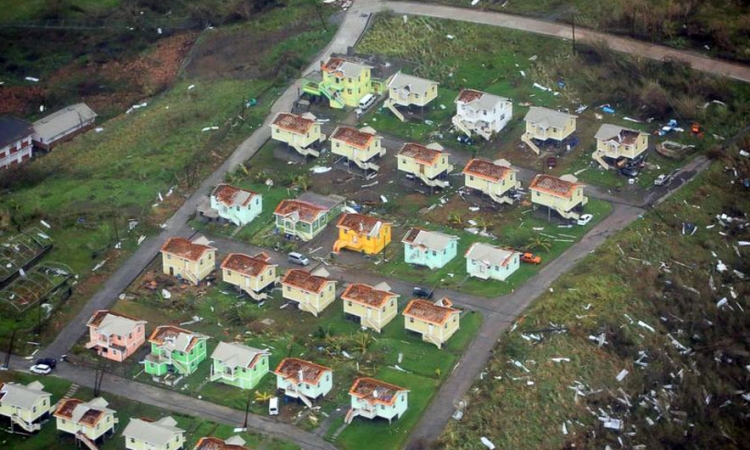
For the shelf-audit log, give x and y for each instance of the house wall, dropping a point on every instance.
(309, 390)
(185, 360)
(130, 342)
(248, 283)
(439, 333)
(302, 140)
(187, 269)
(105, 424)
(350, 90)
(396, 410)
(495, 118)
(612, 149)
(380, 317)
(413, 98)
(135, 444)
(434, 259)
(555, 202)
(361, 242)
(411, 165)
(15, 153)
(242, 377)
(484, 185)
(339, 147)
(239, 215)
(557, 134)
(41, 407)
(308, 301)
(497, 272)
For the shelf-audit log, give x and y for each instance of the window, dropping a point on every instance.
(538, 193)
(34, 409)
(471, 177)
(330, 287)
(350, 303)
(169, 256)
(411, 319)
(349, 91)
(261, 278)
(349, 80)
(416, 95)
(229, 273)
(132, 440)
(502, 117)
(288, 288)
(434, 253)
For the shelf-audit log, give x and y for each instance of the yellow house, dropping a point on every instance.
(163, 434)
(345, 82)
(372, 307)
(313, 293)
(427, 163)
(301, 133)
(250, 274)
(544, 123)
(495, 179)
(360, 147)
(213, 443)
(361, 233)
(407, 90)
(26, 406)
(191, 261)
(562, 194)
(436, 322)
(615, 142)
(87, 421)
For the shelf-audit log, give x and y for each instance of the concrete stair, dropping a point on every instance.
(526, 139)
(391, 104)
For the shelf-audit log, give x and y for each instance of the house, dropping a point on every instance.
(495, 179)
(162, 434)
(212, 443)
(486, 261)
(407, 90)
(191, 261)
(303, 379)
(361, 147)
(344, 82)
(429, 248)
(114, 335)
(436, 322)
(27, 407)
(15, 141)
(62, 125)
(563, 195)
(313, 293)
(308, 215)
(238, 365)
(233, 204)
(371, 398)
(301, 133)
(361, 233)
(89, 421)
(371, 307)
(616, 143)
(544, 123)
(250, 274)
(481, 113)
(426, 163)
(175, 349)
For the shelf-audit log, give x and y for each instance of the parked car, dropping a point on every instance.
(298, 258)
(662, 179)
(530, 258)
(421, 292)
(552, 162)
(630, 172)
(584, 219)
(273, 406)
(40, 369)
(464, 139)
(52, 362)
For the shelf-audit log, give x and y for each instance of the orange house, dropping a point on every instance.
(115, 336)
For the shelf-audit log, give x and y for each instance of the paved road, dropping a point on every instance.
(508, 307)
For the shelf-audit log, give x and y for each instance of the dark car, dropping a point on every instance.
(464, 139)
(51, 362)
(630, 172)
(421, 292)
(552, 162)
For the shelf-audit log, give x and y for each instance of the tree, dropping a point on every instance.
(455, 219)
(539, 243)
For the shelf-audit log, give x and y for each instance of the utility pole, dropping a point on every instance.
(247, 412)
(573, 21)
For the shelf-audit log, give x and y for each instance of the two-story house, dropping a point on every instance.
(90, 422)
(114, 335)
(371, 307)
(361, 233)
(15, 141)
(563, 195)
(238, 365)
(250, 274)
(344, 82)
(543, 124)
(371, 398)
(213, 443)
(407, 90)
(62, 125)
(436, 322)
(486, 261)
(236, 205)
(361, 147)
(307, 216)
(27, 407)
(429, 163)
(191, 261)
(162, 434)
(300, 132)
(304, 380)
(481, 113)
(495, 179)
(175, 349)
(429, 248)
(615, 143)
(312, 293)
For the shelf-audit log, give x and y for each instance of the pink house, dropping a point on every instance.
(115, 336)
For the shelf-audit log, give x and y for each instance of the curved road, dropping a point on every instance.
(499, 312)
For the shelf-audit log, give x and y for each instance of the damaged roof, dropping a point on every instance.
(112, 323)
(299, 210)
(423, 154)
(361, 223)
(293, 122)
(553, 185)
(487, 169)
(490, 255)
(427, 311)
(86, 413)
(622, 135)
(479, 100)
(305, 280)
(294, 368)
(343, 68)
(367, 295)
(431, 240)
(214, 443)
(546, 117)
(251, 266)
(232, 196)
(354, 137)
(375, 391)
(183, 248)
(174, 338)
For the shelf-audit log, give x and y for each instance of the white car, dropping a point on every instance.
(40, 369)
(584, 219)
(662, 179)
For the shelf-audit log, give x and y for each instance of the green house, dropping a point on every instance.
(176, 350)
(238, 365)
(308, 215)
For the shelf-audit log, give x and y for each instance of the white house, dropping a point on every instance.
(481, 113)
(486, 261)
(235, 204)
(15, 141)
(371, 398)
(62, 125)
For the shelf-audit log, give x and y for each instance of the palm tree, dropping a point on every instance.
(363, 341)
(455, 219)
(539, 243)
(262, 397)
